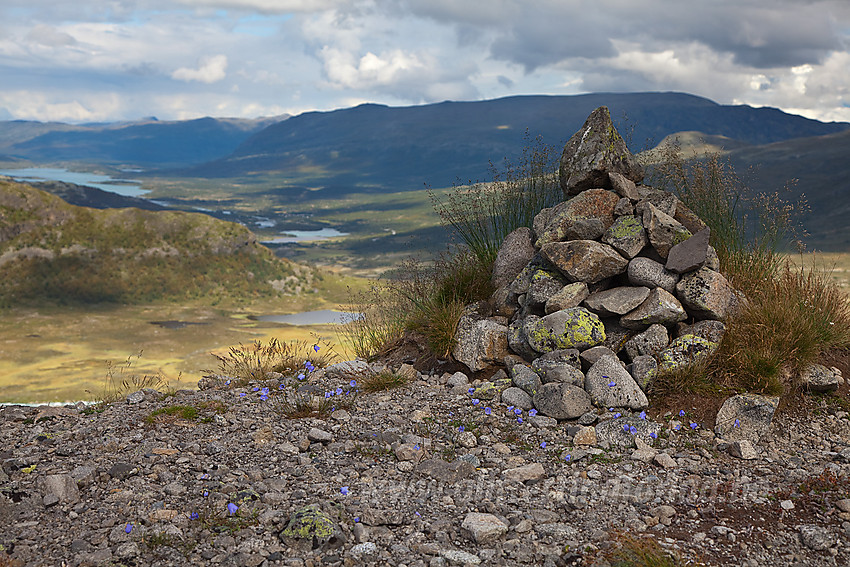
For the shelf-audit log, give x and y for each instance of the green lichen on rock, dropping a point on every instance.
(310, 522)
(684, 351)
(625, 227)
(488, 390)
(570, 328)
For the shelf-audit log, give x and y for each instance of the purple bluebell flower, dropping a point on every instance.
(256, 388)
(532, 412)
(519, 420)
(227, 383)
(517, 411)
(316, 348)
(301, 376)
(626, 427)
(353, 383)
(653, 434)
(617, 415)
(487, 411)
(633, 430)
(193, 516)
(128, 528)
(737, 423)
(568, 457)
(475, 401)
(694, 425)
(460, 428)
(682, 413)
(543, 444)
(344, 491)
(231, 508)
(643, 415)
(339, 391)
(471, 390)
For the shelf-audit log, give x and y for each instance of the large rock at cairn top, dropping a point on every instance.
(584, 217)
(570, 328)
(707, 294)
(593, 152)
(584, 260)
(517, 250)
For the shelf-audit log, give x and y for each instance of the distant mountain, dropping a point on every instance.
(148, 143)
(379, 147)
(821, 169)
(56, 252)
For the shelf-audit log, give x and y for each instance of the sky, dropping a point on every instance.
(111, 60)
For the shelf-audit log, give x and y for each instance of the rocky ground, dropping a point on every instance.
(418, 475)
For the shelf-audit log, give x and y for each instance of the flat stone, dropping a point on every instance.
(815, 537)
(517, 397)
(570, 295)
(439, 469)
(616, 301)
(592, 355)
(63, 487)
(584, 260)
(585, 436)
(457, 557)
(685, 351)
(664, 231)
(665, 461)
(743, 449)
(544, 284)
(819, 378)
(557, 371)
(483, 528)
(659, 307)
(534, 471)
(317, 435)
(690, 254)
(584, 217)
(623, 186)
(649, 342)
(480, 342)
(745, 416)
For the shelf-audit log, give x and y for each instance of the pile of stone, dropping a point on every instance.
(607, 288)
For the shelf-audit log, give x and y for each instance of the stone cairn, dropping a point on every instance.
(610, 286)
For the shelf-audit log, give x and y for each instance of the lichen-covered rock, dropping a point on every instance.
(517, 250)
(644, 369)
(709, 329)
(627, 236)
(544, 284)
(492, 389)
(690, 254)
(659, 307)
(584, 260)
(707, 294)
(745, 416)
(616, 301)
(684, 351)
(647, 272)
(590, 356)
(480, 342)
(312, 524)
(664, 201)
(570, 295)
(664, 231)
(651, 341)
(593, 152)
(570, 328)
(562, 401)
(610, 385)
(584, 217)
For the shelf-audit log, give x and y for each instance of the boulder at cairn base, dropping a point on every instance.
(516, 251)
(707, 294)
(584, 260)
(479, 341)
(593, 152)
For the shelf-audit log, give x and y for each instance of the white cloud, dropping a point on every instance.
(211, 70)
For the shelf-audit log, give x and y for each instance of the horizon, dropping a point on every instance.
(96, 61)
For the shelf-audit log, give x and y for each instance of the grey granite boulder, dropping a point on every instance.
(649, 273)
(584, 217)
(745, 416)
(709, 329)
(651, 341)
(610, 385)
(623, 431)
(707, 294)
(590, 356)
(562, 401)
(627, 236)
(480, 342)
(584, 260)
(517, 397)
(544, 284)
(644, 369)
(518, 337)
(570, 328)
(516, 251)
(557, 371)
(623, 186)
(616, 301)
(593, 152)
(819, 378)
(659, 307)
(526, 379)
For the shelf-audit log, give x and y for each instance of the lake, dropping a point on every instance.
(125, 187)
(304, 236)
(321, 317)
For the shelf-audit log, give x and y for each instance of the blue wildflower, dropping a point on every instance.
(460, 428)
(231, 508)
(242, 394)
(128, 528)
(532, 412)
(338, 391)
(510, 408)
(737, 423)
(301, 376)
(227, 383)
(694, 425)
(626, 427)
(653, 434)
(344, 491)
(256, 388)
(519, 420)
(517, 411)
(471, 390)
(193, 516)
(475, 401)
(611, 384)
(568, 457)
(316, 348)
(617, 415)
(353, 383)
(643, 415)
(543, 444)
(633, 430)
(487, 411)
(681, 413)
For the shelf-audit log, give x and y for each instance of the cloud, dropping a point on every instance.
(211, 70)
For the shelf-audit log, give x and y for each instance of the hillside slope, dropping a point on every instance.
(379, 147)
(50, 250)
